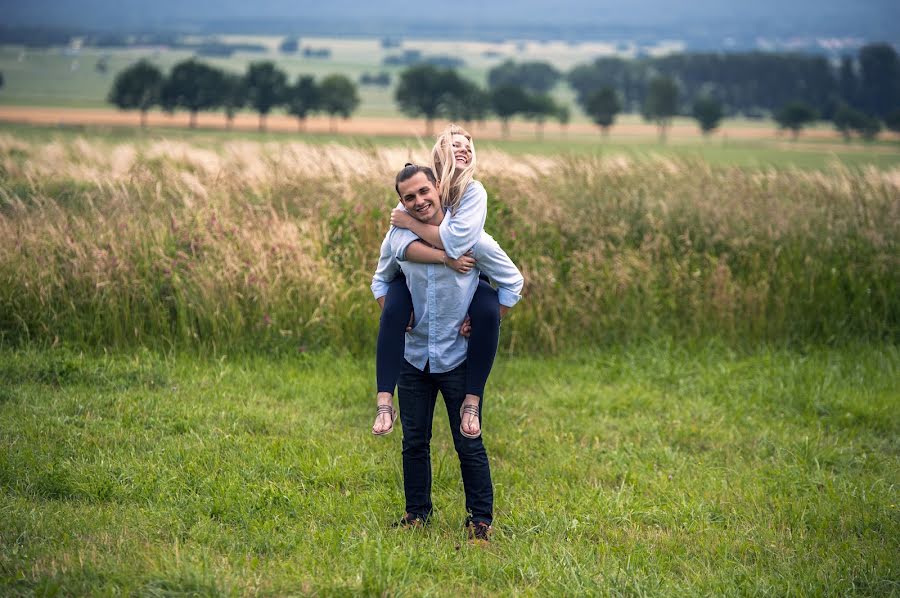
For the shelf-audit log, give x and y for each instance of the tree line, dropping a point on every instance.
(857, 96)
(196, 86)
(795, 89)
(429, 91)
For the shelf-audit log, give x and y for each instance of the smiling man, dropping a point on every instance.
(435, 352)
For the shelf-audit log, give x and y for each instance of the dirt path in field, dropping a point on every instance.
(385, 126)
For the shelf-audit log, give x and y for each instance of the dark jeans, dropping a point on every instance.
(484, 313)
(417, 392)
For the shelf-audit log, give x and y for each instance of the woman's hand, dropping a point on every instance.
(463, 264)
(401, 218)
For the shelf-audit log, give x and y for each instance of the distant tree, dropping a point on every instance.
(426, 90)
(708, 113)
(233, 96)
(602, 106)
(137, 87)
(794, 116)
(661, 103)
(194, 86)
(868, 127)
(469, 103)
(338, 97)
(847, 119)
(539, 108)
(381, 79)
(563, 116)
(879, 85)
(617, 73)
(1, 81)
(506, 102)
(289, 45)
(848, 82)
(538, 77)
(303, 99)
(892, 121)
(265, 86)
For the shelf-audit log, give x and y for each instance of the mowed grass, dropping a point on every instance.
(657, 469)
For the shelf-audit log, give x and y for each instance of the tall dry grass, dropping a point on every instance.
(273, 245)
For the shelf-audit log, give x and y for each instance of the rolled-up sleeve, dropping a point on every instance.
(496, 265)
(461, 230)
(386, 270)
(400, 239)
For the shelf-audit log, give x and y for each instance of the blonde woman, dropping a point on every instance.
(465, 202)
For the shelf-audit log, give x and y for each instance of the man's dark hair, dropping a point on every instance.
(411, 170)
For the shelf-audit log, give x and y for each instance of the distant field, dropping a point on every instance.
(736, 145)
(67, 80)
(58, 77)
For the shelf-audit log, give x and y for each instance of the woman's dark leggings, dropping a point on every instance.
(484, 314)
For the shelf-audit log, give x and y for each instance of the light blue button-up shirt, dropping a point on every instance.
(441, 298)
(463, 228)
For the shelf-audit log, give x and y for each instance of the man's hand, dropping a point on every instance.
(466, 328)
(401, 218)
(412, 320)
(462, 264)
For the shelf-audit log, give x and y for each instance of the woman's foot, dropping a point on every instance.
(470, 417)
(385, 415)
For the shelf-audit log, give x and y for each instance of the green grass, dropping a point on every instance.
(658, 469)
(753, 154)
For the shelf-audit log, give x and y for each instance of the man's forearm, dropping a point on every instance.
(380, 301)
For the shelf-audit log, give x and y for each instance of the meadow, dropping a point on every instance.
(656, 469)
(169, 244)
(697, 396)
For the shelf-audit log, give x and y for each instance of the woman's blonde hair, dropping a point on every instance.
(453, 180)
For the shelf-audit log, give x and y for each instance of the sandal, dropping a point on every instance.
(389, 409)
(473, 410)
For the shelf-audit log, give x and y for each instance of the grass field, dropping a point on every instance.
(656, 469)
(808, 153)
(67, 77)
(55, 77)
(698, 395)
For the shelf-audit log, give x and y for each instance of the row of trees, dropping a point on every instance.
(754, 83)
(661, 104)
(195, 86)
(433, 92)
(521, 89)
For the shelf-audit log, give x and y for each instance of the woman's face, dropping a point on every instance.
(462, 150)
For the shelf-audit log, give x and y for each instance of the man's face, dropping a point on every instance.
(420, 197)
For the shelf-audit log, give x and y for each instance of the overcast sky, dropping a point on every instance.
(469, 15)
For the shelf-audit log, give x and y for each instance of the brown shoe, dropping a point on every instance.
(479, 532)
